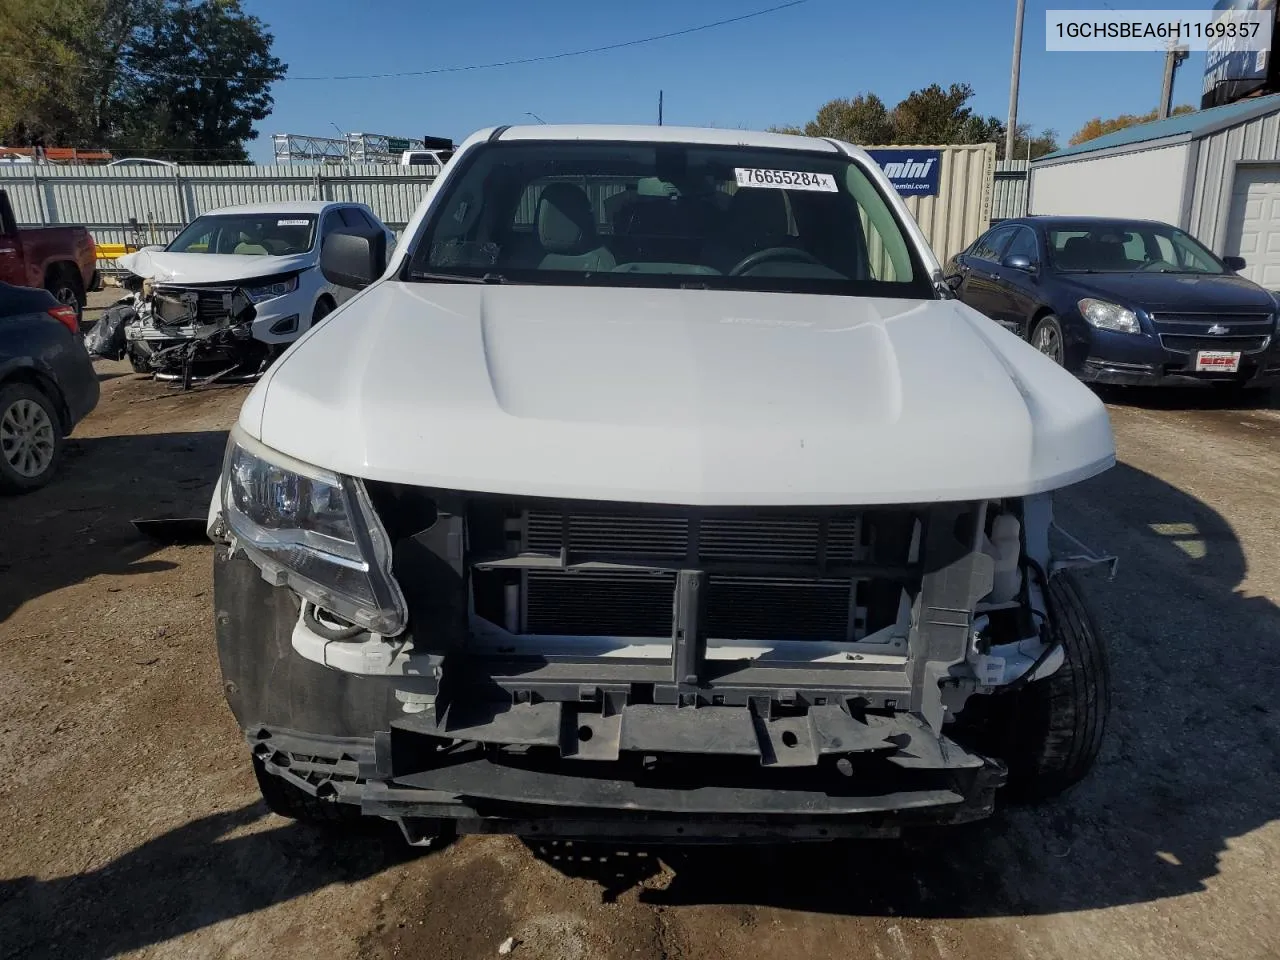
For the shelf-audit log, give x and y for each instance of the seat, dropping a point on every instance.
(1109, 255)
(756, 220)
(567, 231)
(1075, 254)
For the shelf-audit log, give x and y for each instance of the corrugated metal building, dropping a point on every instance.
(1009, 192)
(1214, 173)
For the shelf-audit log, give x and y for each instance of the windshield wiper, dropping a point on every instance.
(456, 277)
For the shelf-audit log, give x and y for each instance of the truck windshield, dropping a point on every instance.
(258, 234)
(667, 215)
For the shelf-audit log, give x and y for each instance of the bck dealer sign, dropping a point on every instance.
(913, 173)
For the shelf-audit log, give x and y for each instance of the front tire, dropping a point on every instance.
(1047, 337)
(324, 306)
(1049, 732)
(30, 438)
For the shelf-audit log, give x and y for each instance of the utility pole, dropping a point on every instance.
(1172, 58)
(1012, 129)
(659, 108)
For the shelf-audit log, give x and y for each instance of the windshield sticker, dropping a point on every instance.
(293, 223)
(785, 179)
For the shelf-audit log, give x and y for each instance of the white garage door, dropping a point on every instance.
(1253, 227)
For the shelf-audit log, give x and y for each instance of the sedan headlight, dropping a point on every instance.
(1109, 316)
(313, 530)
(269, 291)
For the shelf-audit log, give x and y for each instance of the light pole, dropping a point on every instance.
(530, 113)
(1012, 129)
(1172, 58)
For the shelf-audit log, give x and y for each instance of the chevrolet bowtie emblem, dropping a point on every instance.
(1218, 329)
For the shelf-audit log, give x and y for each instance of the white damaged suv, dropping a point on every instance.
(656, 486)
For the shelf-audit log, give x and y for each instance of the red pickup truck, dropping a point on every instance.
(62, 260)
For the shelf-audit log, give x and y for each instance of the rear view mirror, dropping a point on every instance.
(354, 258)
(1233, 263)
(1018, 261)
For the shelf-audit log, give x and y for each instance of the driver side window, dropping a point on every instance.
(989, 247)
(1024, 245)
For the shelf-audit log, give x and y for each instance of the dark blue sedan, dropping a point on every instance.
(1128, 302)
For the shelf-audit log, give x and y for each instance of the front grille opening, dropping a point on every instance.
(770, 577)
(600, 605)
(759, 608)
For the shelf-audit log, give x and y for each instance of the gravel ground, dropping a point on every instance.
(130, 824)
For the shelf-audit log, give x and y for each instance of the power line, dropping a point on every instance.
(464, 68)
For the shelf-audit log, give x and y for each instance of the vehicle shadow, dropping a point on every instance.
(1188, 398)
(79, 525)
(1189, 763)
(212, 869)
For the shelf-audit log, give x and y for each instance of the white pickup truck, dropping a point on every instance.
(655, 485)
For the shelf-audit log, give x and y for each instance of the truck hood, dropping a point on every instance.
(678, 396)
(210, 267)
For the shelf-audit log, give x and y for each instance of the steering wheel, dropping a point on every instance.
(1155, 265)
(770, 254)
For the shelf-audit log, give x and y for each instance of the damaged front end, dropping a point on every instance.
(194, 335)
(585, 669)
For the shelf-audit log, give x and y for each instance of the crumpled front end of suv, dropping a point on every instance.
(586, 669)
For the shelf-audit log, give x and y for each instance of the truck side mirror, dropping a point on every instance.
(353, 258)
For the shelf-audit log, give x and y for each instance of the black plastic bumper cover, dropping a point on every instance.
(476, 791)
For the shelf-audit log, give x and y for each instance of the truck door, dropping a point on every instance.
(12, 269)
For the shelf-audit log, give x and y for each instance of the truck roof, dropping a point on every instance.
(285, 206)
(712, 136)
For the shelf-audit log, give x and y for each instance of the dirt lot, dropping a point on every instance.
(129, 821)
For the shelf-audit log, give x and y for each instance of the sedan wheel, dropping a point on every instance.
(1047, 338)
(30, 438)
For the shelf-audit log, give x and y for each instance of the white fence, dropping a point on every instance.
(165, 199)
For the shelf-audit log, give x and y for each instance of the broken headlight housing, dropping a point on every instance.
(312, 530)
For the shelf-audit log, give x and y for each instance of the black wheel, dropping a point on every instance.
(67, 287)
(324, 307)
(30, 438)
(283, 798)
(1046, 337)
(1050, 731)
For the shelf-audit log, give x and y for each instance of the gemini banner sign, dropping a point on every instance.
(913, 173)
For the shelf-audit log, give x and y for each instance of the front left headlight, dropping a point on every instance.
(312, 530)
(269, 291)
(1109, 316)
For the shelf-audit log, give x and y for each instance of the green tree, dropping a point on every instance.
(933, 115)
(208, 75)
(45, 88)
(1046, 141)
(1098, 127)
(176, 78)
(863, 119)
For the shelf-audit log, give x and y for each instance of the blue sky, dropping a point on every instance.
(774, 69)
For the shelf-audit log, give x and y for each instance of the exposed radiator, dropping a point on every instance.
(775, 603)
